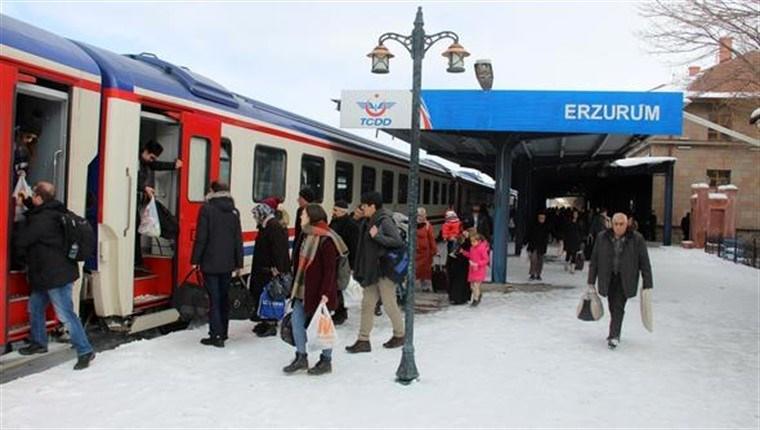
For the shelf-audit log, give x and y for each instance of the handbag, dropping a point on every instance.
(280, 287)
(240, 300)
(590, 307)
(270, 308)
(579, 260)
(440, 279)
(191, 298)
(286, 329)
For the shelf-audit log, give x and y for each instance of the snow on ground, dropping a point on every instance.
(519, 360)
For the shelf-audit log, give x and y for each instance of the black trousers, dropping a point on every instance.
(218, 286)
(616, 300)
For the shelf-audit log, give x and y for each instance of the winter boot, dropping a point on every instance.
(613, 343)
(340, 316)
(378, 309)
(270, 329)
(261, 327)
(394, 342)
(301, 362)
(323, 366)
(359, 346)
(217, 341)
(83, 361)
(33, 348)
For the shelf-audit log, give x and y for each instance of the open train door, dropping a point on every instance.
(7, 91)
(200, 145)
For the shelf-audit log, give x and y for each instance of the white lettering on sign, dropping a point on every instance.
(605, 112)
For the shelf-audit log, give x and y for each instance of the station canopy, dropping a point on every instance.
(568, 129)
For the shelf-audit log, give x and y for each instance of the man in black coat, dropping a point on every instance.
(619, 255)
(537, 240)
(146, 189)
(270, 255)
(51, 274)
(217, 252)
(343, 224)
(479, 219)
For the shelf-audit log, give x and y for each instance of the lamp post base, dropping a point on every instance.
(407, 371)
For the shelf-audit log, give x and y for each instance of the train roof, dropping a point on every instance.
(148, 72)
(43, 44)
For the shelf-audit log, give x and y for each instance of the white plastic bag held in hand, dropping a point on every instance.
(149, 223)
(321, 331)
(646, 309)
(353, 293)
(22, 188)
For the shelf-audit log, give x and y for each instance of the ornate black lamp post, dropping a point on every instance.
(417, 44)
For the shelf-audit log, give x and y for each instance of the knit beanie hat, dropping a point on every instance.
(451, 216)
(307, 194)
(272, 202)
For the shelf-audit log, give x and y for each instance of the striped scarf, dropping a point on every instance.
(309, 247)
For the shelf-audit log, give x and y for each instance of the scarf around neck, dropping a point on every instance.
(309, 247)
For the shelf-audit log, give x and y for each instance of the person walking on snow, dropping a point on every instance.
(619, 255)
(478, 254)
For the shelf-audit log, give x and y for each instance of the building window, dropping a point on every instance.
(426, 194)
(199, 167)
(268, 172)
(225, 161)
(344, 181)
(403, 188)
(719, 177)
(722, 117)
(313, 175)
(368, 179)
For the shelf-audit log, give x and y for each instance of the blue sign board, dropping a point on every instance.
(554, 111)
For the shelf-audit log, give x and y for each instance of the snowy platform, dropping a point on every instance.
(519, 359)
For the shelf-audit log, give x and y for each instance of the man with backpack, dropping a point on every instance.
(378, 238)
(51, 270)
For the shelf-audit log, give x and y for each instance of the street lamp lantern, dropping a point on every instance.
(484, 73)
(381, 57)
(416, 44)
(455, 54)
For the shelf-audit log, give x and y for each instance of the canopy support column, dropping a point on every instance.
(667, 219)
(501, 216)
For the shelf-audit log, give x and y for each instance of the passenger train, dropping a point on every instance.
(97, 108)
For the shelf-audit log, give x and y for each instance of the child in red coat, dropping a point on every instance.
(451, 231)
(479, 256)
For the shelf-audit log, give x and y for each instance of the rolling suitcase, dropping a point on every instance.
(440, 280)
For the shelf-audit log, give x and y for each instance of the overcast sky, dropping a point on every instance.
(298, 56)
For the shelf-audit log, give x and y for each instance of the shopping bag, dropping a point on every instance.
(22, 188)
(579, 260)
(191, 298)
(150, 224)
(353, 293)
(240, 299)
(269, 308)
(321, 332)
(286, 329)
(646, 309)
(590, 307)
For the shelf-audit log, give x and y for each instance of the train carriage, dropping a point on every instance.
(119, 102)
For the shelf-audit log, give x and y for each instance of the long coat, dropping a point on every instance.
(634, 259)
(40, 242)
(320, 278)
(271, 250)
(218, 246)
(479, 259)
(370, 251)
(426, 250)
(348, 230)
(538, 238)
(572, 236)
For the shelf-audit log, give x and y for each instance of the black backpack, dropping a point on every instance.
(79, 237)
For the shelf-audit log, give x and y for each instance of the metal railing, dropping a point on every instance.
(740, 251)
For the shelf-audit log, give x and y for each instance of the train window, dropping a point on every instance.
(225, 161)
(344, 181)
(269, 166)
(444, 194)
(199, 167)
(387, 186)
(368, 179)
(313, 174)
(426, 193)
(451, 194)
(403, 188)
(436, 192)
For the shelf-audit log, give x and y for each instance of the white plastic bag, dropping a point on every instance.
(22, 187)
(149, 223)
(353, 293)
(590, 307)
(646, 309)
(321, 332)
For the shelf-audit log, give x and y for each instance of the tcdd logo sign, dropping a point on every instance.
(375, 111)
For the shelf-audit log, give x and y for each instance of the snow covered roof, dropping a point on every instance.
(729, 187)
(640, 161)
(718, 196)
(699, 186)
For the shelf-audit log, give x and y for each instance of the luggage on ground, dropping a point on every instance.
(240, 299)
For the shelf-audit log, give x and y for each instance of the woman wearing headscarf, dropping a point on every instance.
(315, 282)
(426, 250)
(270, 256)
